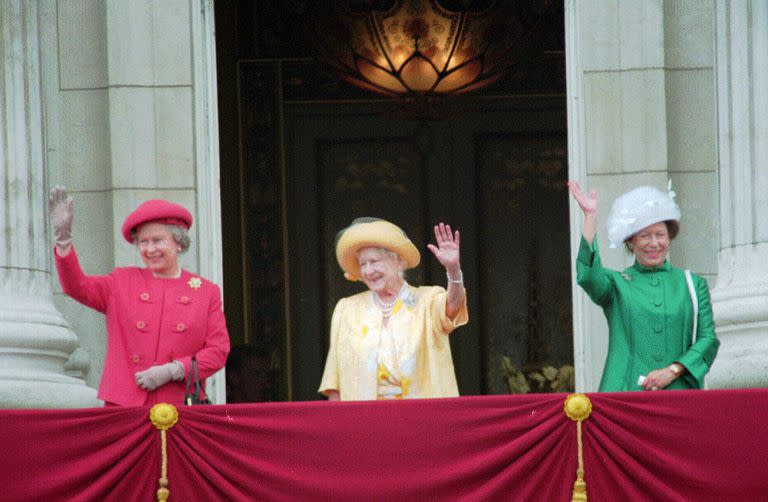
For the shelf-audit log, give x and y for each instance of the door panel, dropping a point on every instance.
(340, 168)
(525, 271)
(383, 178)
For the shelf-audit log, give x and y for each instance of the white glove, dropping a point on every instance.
(60, 209)
(156, 376)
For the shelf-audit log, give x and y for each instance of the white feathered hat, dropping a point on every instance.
(639, 208)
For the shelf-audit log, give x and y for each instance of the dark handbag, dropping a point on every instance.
(194, 380)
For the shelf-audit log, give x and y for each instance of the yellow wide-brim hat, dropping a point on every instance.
(378, 233)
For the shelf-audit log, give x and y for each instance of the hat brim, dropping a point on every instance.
(156, 210)
(378, 233)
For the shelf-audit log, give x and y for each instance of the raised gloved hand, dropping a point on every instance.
(156, 376)
(60, 209)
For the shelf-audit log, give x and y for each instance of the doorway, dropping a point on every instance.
(305, 157)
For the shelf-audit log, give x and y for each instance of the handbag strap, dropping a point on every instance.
(695, 301)
(189, 377)
(197, 378)
(193, 375)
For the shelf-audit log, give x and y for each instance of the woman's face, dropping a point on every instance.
(651, 245)
(158, 250)
(379, 270)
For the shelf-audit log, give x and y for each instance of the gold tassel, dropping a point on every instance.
(163, 416)
(578, 407)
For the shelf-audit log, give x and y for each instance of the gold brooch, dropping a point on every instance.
(195, 283)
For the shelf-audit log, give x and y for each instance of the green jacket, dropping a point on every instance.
(650, 320)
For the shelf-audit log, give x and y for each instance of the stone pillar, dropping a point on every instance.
(740, 298)
(35, 340)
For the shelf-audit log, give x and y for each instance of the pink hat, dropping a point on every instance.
(157, 211)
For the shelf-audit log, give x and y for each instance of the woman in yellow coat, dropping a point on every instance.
(391, 341)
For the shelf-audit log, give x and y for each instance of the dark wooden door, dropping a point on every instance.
(497, 173)
(303, 153)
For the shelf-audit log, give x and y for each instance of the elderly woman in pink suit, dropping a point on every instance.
(158, 317)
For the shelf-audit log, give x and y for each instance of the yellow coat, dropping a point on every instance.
(420, 327)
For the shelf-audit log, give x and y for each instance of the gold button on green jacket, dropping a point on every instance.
(650, 321)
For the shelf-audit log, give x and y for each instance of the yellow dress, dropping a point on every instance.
(410, 358)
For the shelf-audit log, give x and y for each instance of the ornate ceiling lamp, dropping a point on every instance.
(425, 48)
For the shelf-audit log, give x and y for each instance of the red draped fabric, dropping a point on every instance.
(661, 446)
(87, 454)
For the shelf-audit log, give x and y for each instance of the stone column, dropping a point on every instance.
(35, 340)
(740, 298)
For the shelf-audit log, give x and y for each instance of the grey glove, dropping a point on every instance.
(60, 209)
(156, 376)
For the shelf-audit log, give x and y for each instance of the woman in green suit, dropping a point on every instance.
(661, 332)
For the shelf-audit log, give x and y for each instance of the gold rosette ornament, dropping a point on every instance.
(163, 416)
(578, 407)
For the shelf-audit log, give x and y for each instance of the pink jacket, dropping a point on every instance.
(150, 321)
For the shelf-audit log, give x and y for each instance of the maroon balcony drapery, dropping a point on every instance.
(671, 446)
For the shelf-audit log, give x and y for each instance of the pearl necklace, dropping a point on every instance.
(386, 308)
